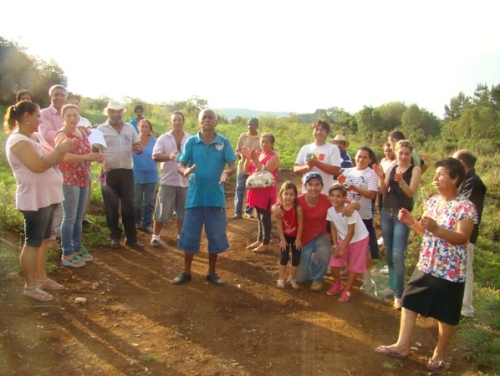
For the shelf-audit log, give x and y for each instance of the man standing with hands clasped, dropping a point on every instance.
(203, 160)
(118, 188)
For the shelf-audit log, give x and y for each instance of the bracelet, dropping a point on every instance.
(334, 246)
(414, 223)
(401, 184)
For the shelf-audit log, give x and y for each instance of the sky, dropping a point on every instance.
(293, 56)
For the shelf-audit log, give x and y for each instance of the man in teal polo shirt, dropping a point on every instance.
(202, 161)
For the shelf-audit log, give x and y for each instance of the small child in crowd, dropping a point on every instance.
(290, 232)
(350, 242)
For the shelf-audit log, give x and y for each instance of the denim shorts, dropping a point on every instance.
(214, 219)
(169, 198)
(38, 225)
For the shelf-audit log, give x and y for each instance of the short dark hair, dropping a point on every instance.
(454, 167)
(178, 113)
(22, 93)
(398, 135)
(467, 157)
(322, 123)
(138, 107)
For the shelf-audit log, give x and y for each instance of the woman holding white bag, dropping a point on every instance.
(262, 199)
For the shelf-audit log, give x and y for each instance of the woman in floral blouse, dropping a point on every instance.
(75, 170)
(436, 287)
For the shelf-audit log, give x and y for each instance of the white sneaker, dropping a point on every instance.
(384, 270)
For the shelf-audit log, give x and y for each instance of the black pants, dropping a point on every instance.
(119, 189)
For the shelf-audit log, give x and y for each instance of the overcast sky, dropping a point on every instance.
(269, 55)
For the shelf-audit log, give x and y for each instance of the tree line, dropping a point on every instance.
(468, 119)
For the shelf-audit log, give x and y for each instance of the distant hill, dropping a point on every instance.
(231, 113)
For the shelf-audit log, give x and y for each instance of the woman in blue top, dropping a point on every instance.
(145, 178)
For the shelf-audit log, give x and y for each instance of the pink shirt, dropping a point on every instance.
(166, 145)
(51, 122)
(35, 190)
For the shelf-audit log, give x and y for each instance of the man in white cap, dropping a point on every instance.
(343, 144)
(117, 185)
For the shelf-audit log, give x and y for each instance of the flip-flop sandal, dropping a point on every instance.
(435, 365)
(49, 284)
(384, 350)
(37, 293)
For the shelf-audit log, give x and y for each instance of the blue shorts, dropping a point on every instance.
(214, 219)
(38, 225)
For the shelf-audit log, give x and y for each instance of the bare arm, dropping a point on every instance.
(158, 157)
(300, 170)
(75, 158)
(409, 190)
(363, 192)
(348, 238)
(227, 173)
(458, 237)
(28, 156)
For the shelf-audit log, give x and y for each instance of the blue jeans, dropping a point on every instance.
(241, 179)
(214, 220)
(395, 234)
(314, 268)
(144, 191)
(119, 189)
(75, 200)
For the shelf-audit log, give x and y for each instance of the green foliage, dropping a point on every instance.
(19, 70)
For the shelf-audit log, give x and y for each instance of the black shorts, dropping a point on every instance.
(434, 297)
(38, 225)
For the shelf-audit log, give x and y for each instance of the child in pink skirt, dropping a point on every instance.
(350, 242)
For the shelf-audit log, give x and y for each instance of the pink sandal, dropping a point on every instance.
(345, 297)
(37, 293)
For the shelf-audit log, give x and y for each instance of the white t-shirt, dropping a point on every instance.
(326, 153)
(342, 222)
(166, 145)
(365, 179)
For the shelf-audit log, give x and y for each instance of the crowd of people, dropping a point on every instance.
(329, 224)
